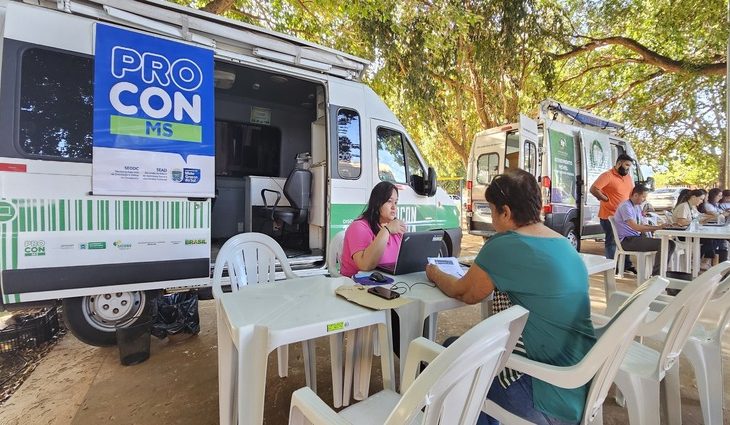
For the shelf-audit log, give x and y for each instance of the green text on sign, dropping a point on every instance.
(129, 126)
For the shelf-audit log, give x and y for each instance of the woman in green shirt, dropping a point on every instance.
(538, 269)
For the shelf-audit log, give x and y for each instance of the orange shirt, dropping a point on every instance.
(616, 187)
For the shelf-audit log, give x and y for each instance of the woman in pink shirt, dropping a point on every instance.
(374, 238)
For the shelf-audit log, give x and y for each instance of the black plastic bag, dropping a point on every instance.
(176, 313)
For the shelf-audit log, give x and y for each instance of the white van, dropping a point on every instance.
(96, 209)
(566, 150)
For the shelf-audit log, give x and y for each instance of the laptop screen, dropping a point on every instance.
(414, 251)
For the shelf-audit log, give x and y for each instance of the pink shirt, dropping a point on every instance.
(357, 237)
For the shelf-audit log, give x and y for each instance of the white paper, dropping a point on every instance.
(448, 265)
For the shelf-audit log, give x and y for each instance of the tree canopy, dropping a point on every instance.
(450, 69)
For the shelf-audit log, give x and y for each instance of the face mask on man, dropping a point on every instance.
(623, 171)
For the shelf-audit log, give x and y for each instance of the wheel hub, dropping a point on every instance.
(108, 311)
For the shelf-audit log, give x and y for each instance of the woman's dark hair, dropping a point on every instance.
(378, 196)
(683, 196)
(726, 193)
(712, 194)
(518, 190)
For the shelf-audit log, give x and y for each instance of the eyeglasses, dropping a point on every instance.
(496, 183)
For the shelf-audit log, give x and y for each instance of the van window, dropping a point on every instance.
(391, 159)
(530, 155)
(246, 149)
(413, 166)
(56, 105)
(348, 147)
(512, 151)
(487, 167)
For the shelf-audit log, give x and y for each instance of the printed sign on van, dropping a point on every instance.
(562, 158)
(154, 124)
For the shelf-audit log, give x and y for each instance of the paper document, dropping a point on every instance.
(448, 265)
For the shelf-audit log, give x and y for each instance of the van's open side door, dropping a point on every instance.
(528, 144)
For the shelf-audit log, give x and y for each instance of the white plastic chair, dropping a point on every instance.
(642, 258)
(251, 258)
(645, 369)
(682, 249)
(704, 349)
(599, 365)
(450, 390)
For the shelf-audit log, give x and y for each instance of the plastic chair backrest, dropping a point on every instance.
(683, 313)
(455, 384)
(716, 315)
(669, 216)
(334, 254)
(298, 188)
(249, 258)
(616, 338)
(619, 248)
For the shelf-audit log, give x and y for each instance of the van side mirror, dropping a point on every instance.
(424, 187)
(430, 187)
(649, 183)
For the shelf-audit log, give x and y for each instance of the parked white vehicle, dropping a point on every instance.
(566, 150)
(97, 209)
(664, 198)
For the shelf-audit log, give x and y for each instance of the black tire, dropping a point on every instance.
(571, 233)
(92, 329)
(444, 251)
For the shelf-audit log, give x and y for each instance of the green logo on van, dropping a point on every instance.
(7, 211)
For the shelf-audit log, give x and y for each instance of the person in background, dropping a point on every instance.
(375, 236)
(541, 271)
(632, 231)
(682, 197)
(685, 212)
(725, 201)
(611, 188)
(701, 206)
(717, 247)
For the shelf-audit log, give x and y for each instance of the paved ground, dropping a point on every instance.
(78, 384)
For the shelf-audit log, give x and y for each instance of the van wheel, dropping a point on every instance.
(93, 319)
(444, 250)
(572, 235)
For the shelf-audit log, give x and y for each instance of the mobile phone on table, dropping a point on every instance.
(383, 292)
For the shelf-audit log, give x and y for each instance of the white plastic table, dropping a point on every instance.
(257, 319)
(600, 264)
(693, 234)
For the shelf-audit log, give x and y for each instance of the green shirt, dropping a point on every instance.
(548, 278)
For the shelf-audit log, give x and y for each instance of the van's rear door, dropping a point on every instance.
(528, 144)
(487, 162)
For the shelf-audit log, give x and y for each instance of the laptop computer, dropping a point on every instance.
(415, 248)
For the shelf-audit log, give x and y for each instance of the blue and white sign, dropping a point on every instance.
(154, 123)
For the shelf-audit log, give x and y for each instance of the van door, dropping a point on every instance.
(596, 159)
(528, 138)
(397, 161)
(487, 160)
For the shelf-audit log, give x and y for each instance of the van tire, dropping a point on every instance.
(93, 329)
(571, 234)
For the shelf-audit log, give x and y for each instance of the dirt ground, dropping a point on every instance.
(79, 384)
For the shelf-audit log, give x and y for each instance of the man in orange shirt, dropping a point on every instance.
(611, 188)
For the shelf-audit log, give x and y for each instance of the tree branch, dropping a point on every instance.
(218, 6)
(648, 56)
(612, 100)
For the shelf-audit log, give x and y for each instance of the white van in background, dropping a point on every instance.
(566, 149)
(107, 236)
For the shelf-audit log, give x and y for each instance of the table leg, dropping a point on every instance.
(410, 328)
(310, 364)
(226, 372)
(252, 363)
(336, 360)
(349, 366)
(365, 354)
(664, 256)
(696, 256)
(609, 282)
(386, 355)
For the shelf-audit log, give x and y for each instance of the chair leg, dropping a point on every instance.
(642, 398)
(310, 364)
(706, 361)
(672, 403)
(620, 264)
(640, 269)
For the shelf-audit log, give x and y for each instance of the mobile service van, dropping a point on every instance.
(566, 150)
(137, 136)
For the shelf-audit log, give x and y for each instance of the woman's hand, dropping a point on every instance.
(432, 271)
(396, 226)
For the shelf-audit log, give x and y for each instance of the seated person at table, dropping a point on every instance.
(685, 212)
(718, 247)
(373, 238)
(631, 230)
(725, 201)
(541, 271)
